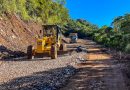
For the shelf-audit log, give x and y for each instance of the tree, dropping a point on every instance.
(45, 11)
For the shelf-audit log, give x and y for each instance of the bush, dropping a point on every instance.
(127, 49)
(47, 11)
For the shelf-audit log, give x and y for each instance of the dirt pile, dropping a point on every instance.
(16, 35)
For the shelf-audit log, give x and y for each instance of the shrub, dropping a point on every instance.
(127, 49)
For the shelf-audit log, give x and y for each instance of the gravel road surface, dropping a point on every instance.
(37, 74)
(101, 72)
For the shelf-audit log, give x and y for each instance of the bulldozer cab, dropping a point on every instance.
(52, 31)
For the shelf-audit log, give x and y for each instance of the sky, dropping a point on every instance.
(100, 12)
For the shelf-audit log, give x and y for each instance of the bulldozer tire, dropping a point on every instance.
(53, 52)
(30, 52)
(63, 47)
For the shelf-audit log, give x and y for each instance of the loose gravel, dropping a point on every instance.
(37, 74)
(49, 80)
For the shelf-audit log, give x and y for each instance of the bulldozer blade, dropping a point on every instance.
(41, 55)
(65, 52)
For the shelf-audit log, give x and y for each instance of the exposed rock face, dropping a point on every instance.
(16, 35)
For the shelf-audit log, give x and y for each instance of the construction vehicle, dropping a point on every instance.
(49, 44)
(73, 37)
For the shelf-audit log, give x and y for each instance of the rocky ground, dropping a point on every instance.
(38, 74)
(100, 72)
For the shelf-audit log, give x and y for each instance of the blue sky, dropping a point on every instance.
(100, 12)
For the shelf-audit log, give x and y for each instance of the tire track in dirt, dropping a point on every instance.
(101, 72)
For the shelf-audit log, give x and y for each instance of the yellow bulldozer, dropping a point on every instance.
(49, 44)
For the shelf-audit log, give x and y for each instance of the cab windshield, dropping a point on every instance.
(48, 31)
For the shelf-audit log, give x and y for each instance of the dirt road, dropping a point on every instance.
(101, 72)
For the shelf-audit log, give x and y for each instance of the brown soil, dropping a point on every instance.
(101, 72)
(15, 34)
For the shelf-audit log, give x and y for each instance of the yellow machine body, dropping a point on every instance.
(49, 43)
(44, 44)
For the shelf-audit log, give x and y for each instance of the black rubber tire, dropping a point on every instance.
(30, 52)
(63, 47)
(53, 52)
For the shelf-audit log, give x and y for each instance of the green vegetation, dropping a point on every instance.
(80, 26)
(117, 37)
(46, 11)
(54, 12)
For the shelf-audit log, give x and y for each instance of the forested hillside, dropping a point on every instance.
(54, 12)
(117, 36)
(45, 11)
(80, 26)
(22, 20)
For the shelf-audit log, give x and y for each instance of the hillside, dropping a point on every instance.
(21, 21)
(95, 58)
(16, 35)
